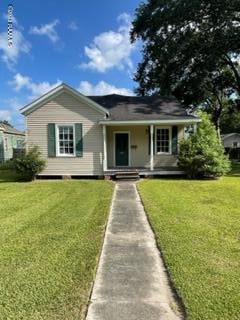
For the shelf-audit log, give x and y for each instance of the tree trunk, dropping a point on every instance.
(217, 120)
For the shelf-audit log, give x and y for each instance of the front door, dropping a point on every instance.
(121, 149)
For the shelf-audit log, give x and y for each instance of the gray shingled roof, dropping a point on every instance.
(8, 129)
(142, 108)
(228, 135)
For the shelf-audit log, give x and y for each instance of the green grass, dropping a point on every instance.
(197, 226)
(50, 239)
(7, 175)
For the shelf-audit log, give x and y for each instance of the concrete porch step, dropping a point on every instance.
(127, 175)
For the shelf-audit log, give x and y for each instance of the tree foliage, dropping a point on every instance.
(190, 49)
(202, 154)
(6, 122)
(230, 121)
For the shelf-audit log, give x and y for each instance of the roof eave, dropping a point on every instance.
(148, 122)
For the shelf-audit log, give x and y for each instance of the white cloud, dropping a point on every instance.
(37, 89)
(14, 21)
(73, 26)
(47, 30)
(5, 115)
(19, 82)
(102, 88)
(10, 111)
(10, 54)
(111, 49)
(13, 104)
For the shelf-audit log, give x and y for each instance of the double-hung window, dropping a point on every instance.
(163, 140)
(6, 144)
(65, 140)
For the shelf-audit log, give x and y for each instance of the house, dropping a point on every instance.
(11, 141)
(102, 135)
(231, 142)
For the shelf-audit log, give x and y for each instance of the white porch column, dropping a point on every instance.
(194, 127)
(104, 148)
(151, 147)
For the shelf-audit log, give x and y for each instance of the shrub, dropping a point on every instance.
(29, 163)
(202, 154)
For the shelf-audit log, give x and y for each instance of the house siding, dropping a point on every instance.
(1, 147)
(228, 142)
(139, 156)
(14, 141)
(65, 109)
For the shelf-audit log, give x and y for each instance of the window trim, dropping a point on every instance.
(58, 154)
(6, 144)
(170, 139)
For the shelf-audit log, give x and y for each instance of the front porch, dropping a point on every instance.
(145, 149)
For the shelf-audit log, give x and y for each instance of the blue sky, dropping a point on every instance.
(83, 43)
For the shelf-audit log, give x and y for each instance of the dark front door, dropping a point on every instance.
(121, 149)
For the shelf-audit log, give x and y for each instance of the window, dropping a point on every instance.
(65, 138)
(163, 140)
(235, 144)
(188, 130)
(6, 144)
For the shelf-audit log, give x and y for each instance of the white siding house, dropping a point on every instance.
(96, 136)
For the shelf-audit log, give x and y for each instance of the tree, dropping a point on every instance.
(191, 49)
(230, 123)
(6, 122)
(202, 154)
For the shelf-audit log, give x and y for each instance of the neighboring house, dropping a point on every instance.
(231, 142)
(101, 135)
(11, 141)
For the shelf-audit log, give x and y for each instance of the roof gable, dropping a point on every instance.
(230, 135)
(9, 129)
(56, 92)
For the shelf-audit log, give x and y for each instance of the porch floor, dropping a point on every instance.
(111, 171)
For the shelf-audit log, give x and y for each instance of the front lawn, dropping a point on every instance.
(50, 239)
(197, 226)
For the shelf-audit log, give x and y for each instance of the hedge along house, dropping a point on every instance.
(11, 142)
(102, 135)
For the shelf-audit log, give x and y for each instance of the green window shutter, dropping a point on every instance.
(78, 140)
(51, 140)
(174, 140)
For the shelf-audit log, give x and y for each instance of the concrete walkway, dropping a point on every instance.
(131, 283)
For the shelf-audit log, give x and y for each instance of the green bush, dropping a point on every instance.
(202, 154)
(29, 163)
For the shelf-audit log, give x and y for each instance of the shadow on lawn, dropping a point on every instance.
(235, 172)
(9, 175)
